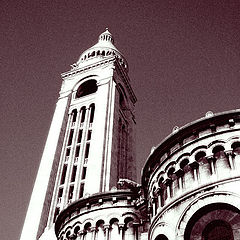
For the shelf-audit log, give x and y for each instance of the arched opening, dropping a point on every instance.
(114, 233)
(87, 231)
(74, 115)
(87, 88)
(83, 113)
(217, 221)
(218, 152)
(184, 163)
(100, 230)
(128, 229)
(76, 229)
(200, 156)
(218, 230)
(161, 237)
(236, 148)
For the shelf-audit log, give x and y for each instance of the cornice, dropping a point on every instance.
(77, 70)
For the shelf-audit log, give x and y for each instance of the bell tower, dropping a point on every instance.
(90, 145)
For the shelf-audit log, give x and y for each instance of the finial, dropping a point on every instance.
(209, 114)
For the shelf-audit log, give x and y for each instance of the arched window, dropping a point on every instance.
(218, 230)
(83, 113)
(200, 156)
(87, 229)
(115, 234)
(92, 110)
(100, 230)
(76, 229)
(161, 237)
(87, 88)
(184, 164)
(218, 152)
(236, 148)
(129, 230)
(74, 113)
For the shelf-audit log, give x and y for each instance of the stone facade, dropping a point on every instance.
(85, 185)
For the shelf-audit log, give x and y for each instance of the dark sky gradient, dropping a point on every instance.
(183, 57)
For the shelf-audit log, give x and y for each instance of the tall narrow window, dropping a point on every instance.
(68, 152)
(60, 192)
(77, 151)
(74, 170)
(74, 112)
(81, 190)
(83, 113)
(84, 171)
(92, 110)
(70, 195)
(70, 137)
(89, 135)
(87, 150)
(64, 174)
(80, 136)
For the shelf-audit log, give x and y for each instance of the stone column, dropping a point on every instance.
(93, 231)
(106, 229)
(168, 183)
(135, 229)
(121, 231)
(212, 165)
(229, 155)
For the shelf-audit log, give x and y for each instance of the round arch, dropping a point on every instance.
(86, 88)
(205, 209)
(220, 218)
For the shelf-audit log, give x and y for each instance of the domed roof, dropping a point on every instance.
(104, 48)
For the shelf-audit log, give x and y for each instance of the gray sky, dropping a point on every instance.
(183, 58)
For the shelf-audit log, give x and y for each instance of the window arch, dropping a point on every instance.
(161, 237)
(87, 88)
(199, 156)
(218, 230)
(218, 151)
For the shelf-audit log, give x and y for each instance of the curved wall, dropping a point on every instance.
(111, 215)
(198, 165)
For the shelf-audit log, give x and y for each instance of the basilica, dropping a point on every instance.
(86, 186)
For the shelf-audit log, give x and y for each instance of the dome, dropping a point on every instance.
(103, 49)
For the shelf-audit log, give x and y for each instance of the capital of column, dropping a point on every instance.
(106, 227)
(121, 226)
(194, 165)
(92, 229)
